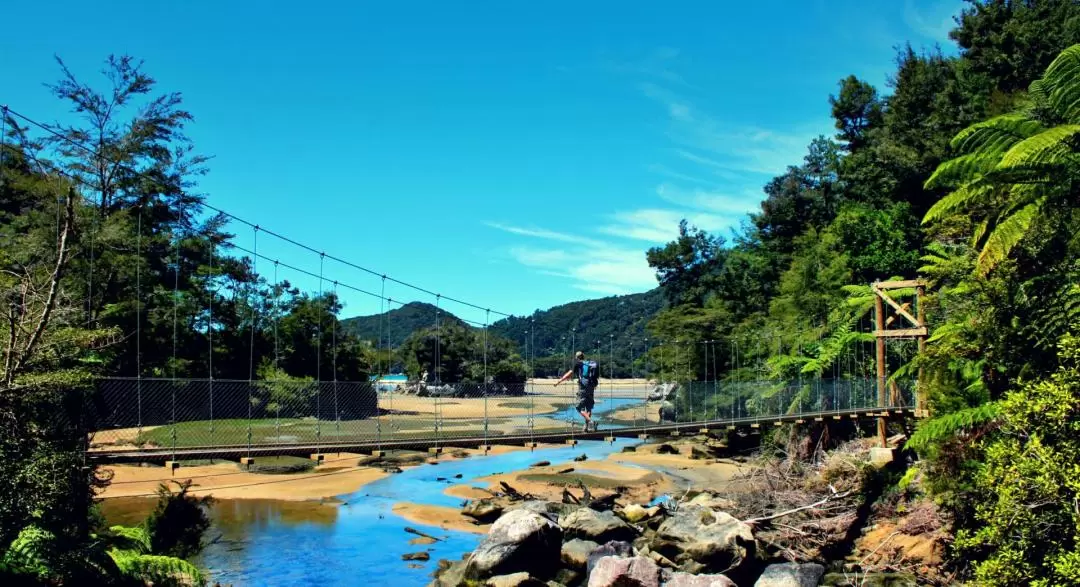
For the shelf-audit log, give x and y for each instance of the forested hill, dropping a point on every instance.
(399, 323)
(616, 319)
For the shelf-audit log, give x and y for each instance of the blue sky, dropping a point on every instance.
(516, 155)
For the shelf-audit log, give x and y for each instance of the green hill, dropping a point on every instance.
(615, 321)
(399, 323)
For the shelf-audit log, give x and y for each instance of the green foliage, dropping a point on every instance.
(178, 522)
(934, 432)
(1027, 529)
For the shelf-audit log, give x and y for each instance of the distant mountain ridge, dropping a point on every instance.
(397, 324)
(616, 322)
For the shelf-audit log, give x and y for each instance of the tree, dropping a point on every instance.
(686, 266)
(857, 111)
(1017, 172)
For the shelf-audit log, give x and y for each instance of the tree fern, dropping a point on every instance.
(159, 570)
(134, 539)
(1061, 85)
(32, 553)
(1041, 153)
(934, 431)
(1007, 235)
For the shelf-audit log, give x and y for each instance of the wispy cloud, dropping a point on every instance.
(656, 64)
(591, 264)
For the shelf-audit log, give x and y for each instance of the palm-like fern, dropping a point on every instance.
(1012, 169)
(932, 432)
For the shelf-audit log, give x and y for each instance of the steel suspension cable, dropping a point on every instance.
(251, 341)
(176, 311)
(138, 318)
(210, 334)
(487, 318)
(318, 362)
(333, 316)
(225, 213)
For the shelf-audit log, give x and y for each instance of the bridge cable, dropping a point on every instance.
(318, 362)
(384, 316)
(138, 319)
(487, 318)
(239, 219)
(210, 333)
(251, 344)
(175, 316)
(276, 318)
(337, 412)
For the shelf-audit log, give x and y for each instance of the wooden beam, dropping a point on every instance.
(902, 332)
(899, 284)
(899, 309)
(891, 319)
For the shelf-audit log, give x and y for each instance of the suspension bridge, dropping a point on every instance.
(161, 415)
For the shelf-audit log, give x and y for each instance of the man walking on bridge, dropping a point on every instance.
(588, 376)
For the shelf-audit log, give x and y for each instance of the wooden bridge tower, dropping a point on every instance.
(914, 326)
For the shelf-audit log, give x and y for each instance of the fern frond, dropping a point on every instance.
(32, 553)
(931, 432)
(159, 570)
(134, 539)
(1007, 235)
(1061, 84)
(1042, 152)
(995, 135)
(962, 198)
(959, 170)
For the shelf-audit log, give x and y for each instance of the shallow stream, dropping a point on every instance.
(356, 539)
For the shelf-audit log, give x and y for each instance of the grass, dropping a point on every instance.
(293, 431)
(280, 465)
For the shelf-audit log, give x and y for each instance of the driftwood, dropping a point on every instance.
(811, 506)
(412, 530)
(514, 494)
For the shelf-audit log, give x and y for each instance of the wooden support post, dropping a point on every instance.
(318, 457)
(571, 441)
(484, 448)
(434, 450)
(379, 454)
(920, 395)
(172, 465)
(247, 461)
(879, 324)
(643, 436)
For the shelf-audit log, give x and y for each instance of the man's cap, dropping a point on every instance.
(579, 355)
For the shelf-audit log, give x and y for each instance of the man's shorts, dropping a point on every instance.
(585, 399)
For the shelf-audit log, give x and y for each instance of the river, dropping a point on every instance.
(352, 540)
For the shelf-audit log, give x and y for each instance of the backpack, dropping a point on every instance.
(590, 374)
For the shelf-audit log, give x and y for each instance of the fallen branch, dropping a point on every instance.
(412, 530)
(815, 505)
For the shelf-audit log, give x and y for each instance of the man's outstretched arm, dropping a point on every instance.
(564, 377)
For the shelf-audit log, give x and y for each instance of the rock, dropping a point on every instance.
(613, 571)
(634, 513)
(416, 556)
(567, 577)
(712, 501)
(519, 541)
(549, 509)
(699, 453)
(699, 540)
(482, 510)
(596, 526)
(667, 411)
(612, 548)
(575, 553)
(514, 580)
(540, 464)
(688, 580)
(791, 575)
(581, 458)
(449, 574)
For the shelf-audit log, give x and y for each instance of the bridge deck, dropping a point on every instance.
(547, 437)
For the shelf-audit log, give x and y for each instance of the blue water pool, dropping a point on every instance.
(360, 542)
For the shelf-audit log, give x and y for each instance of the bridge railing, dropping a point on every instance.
(162, 414)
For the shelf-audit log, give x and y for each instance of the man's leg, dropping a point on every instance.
(584, 408)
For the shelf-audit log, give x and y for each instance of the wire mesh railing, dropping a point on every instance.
(174, 414)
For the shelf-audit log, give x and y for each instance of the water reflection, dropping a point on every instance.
(353, 540)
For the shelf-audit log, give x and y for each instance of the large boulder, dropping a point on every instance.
(575, 553)
(699, 540)
(519, 541)
(613, 571)
(597, 526)
(791, 575)
(482, 510)
(548, 509)
(514, 580)
(712, 501)
(667, 411)
(688, 580)
(612, 548)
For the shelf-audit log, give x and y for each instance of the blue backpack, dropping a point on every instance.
(590, 374)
